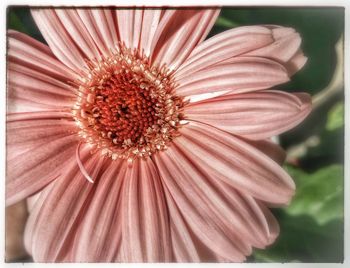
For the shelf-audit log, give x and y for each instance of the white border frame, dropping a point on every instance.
(301, 3)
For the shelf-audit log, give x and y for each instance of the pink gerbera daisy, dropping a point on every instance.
(143, 140)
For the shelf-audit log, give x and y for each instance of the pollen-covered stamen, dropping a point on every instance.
(126, 107)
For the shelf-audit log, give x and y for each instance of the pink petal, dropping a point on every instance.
(242, 74)
(28, 52)
(92, 27)
(37, 151)
(272, 226)
(36, 202)
(257, 115)
(271, 149)
(52, 226)
(129, 25)
(99, 237)
(105, 21)
(145, 225)
(237, 163)
(150, 21)
(178, 33)
(182, 240)
(77, 31)
(186, 246)
(31, 90)
(55, 34)
(137, 27)
(31, 200)
(199, 209)
(296, 62)
(237, 217)
(284, 50)
(286, 44)
(223, 46)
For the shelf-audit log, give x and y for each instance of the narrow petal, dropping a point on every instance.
(287, 42)
(128, 25)
(285, 49)
(183, 245)
(271, 149)
(146, 235)
(150, 22)
(51, 229)
(237, 163)
(106, 23)
(37, 152)
(263, 217)
(228, 209)
(92, 27)
(257, 115)
(296, 62)
(30, 53)
(178, 33)
(78, 32)
(223, 46)
(100, 235)
(55, 34)
(198, 206)
(31, 90)
(243, 74)
(36, 202)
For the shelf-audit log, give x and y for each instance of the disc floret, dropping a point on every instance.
(126, 107)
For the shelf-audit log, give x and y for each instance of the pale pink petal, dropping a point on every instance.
(106, 22)
(29, 52)
(285, 48)
(272, 226)
(36, 202)
(234, 214)
(296, 62)
(55, 34)
(145, 226)
(150, 21)
(37, 152)
(187, 247)
(237, 163)
(257, 115)
(76, 29)
(269, 148)
(137, 27)
(93, 28)
(26, 130)
(100, 234)
(178, 33)
(183, 245)
(128, 26)
(52, 226)
(243, 74)
(199, 209)
(31, 90)
(286, 44)
(31, 200)
(223, 46)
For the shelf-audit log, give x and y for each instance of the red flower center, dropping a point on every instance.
(127, 107)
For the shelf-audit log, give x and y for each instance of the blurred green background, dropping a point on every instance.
(312, 226)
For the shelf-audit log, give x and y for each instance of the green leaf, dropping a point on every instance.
(303, 240)
(15, 23)
(319, 195)
(335, 117)
(224, 22)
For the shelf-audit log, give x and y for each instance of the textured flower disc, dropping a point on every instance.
(126, 107)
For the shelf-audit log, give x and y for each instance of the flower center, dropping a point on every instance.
(126, 107)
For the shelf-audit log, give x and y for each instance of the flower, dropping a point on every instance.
(144, 142)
